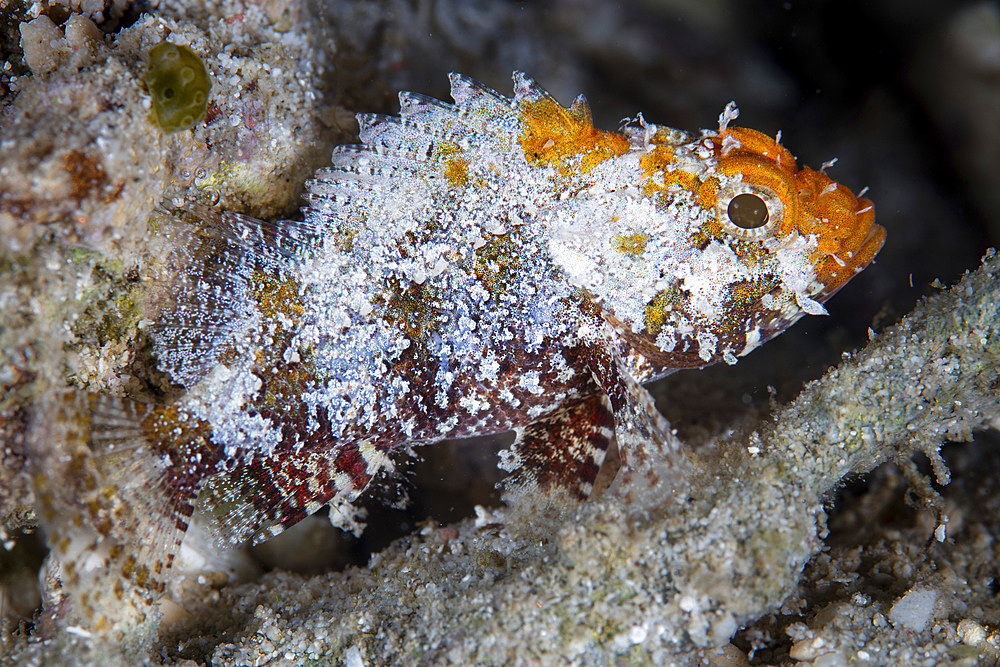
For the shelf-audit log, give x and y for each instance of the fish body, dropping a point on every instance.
(472, 268)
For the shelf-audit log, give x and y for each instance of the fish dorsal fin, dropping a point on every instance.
(202, 314)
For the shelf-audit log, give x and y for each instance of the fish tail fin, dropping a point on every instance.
(153, 460)
(116, 481)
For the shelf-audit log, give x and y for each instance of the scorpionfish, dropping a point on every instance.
(490, 265)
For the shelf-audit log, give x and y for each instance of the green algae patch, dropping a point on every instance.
(113, 303)
(456, 171)
(179, 86)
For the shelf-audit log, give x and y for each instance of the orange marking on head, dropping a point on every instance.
(706, 192)
(553, 134)
(844, 225)
(656, 160)
(685, 179)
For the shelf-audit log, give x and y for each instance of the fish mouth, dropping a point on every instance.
(842, 224)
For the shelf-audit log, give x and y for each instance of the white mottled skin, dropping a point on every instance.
(389, 219)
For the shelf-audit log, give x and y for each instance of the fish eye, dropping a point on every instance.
(748, 211)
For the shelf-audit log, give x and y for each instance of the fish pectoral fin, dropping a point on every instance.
(652, 457)
(563, 451)
(115, 496)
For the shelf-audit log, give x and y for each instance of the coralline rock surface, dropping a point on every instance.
(785, 555)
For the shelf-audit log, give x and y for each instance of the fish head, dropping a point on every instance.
(773, 197)
(699, 249)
